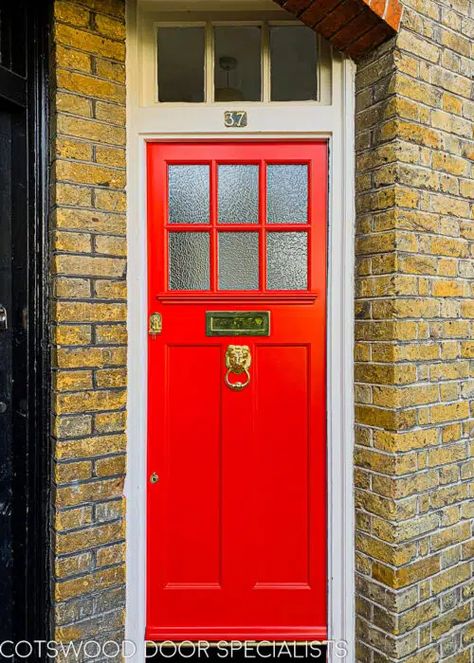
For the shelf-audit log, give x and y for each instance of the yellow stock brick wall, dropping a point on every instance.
(88, 334)
(414, 340)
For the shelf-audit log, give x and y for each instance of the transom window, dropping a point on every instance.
(248, 61)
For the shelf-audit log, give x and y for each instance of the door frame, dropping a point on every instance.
(28, 94)
(335, 123)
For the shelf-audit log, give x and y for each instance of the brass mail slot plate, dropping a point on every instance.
(237, 323)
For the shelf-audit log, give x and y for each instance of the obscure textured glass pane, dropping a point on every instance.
(188, 261)
(287, 194)
(293, 57)
(238, 261)
(238, 194)
(188, 194)
(287, 261)
(237, 67)
(181, 64)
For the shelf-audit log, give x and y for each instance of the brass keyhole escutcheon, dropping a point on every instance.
(155, 324)
(154, 478)
(238, 360)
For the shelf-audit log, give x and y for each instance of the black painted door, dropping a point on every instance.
(6, 427)
(23, 420)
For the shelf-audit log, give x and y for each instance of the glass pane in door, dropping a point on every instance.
(188, 267)
(287, 260)
(287, 193)
(238, 193)
(188, 194)
(238, 261)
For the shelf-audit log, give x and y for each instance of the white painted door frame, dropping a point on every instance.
(334, 122)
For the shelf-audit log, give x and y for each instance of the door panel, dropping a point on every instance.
(193, 470)
(237, 521)
(282, 461)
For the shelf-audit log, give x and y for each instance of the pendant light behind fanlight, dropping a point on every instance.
(228, 64)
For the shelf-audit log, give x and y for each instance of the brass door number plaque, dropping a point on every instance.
(237, 323)
(235, 119)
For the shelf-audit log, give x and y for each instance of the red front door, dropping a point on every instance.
(237, 417)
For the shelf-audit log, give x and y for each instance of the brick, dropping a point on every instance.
(73, 518)
(90, 312)
(418, 615)
(71, 103)
(111, 156)
(109, 511)
(115, 8)
(68, 472)
(72, 426)
(72, 380)
(93, 357)
(89, 42)
(114, 246)
(112, 334)
(90, 220)
(450, 164)
(110, 70)
(73, 149)
(72, 335)
(450, 412)
(110, 27)
(89, 266)
(92, 86)
(72, 242)
(74, 14)
(70, 194)
(111, 377)
(451, 288)
(72, 59)
(89, 401)
(108, 467)
(105, 289)
(405, 441)
(91, 491)
(92, 130)
(111, 113)
(450, 578)
(407, 575)
(90, 174)
(88, 538)
(111, 201)
(73, 566)
(418, 46)
(111, 555)
(92, 446)
(70, 288)
(86, 584)
(109, 422)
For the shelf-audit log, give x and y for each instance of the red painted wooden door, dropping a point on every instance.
(237, 516)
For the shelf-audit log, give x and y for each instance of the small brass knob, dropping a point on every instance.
(154, 478)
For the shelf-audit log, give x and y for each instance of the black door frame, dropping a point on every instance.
(25, 89)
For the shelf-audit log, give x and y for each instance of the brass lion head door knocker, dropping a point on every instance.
(237, 360)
